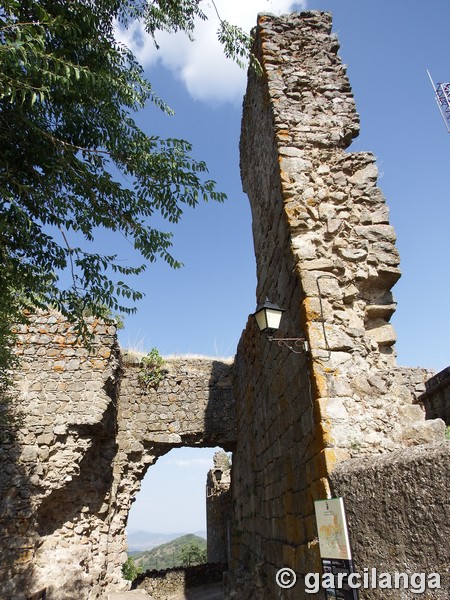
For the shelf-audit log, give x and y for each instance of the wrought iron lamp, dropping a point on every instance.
(268, 316)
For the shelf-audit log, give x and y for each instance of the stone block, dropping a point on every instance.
(422, 432)
(366, 176)
(384, 334)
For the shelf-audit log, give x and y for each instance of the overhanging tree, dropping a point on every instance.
(68, 90)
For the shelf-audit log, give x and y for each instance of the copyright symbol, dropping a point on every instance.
(286, 578)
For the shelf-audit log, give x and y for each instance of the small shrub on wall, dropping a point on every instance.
(152, 370)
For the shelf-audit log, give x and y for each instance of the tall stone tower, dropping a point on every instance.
(325, 252)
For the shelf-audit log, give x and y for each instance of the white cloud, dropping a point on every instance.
(201, 65)
(191, 462)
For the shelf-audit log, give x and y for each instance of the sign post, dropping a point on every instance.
(335, 550)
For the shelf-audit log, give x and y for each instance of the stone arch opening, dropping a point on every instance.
(191, 407)
(172, 502)
(90, 432)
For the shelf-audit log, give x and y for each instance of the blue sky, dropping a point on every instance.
(203, 307)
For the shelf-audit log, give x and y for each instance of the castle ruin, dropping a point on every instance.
(342, 419)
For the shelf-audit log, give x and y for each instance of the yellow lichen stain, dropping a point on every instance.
(322, 434)
(311, 314)
(319, 468)
(284, 176)
(321, 408)
(334, 456)
(283, 134)
(320, 489)
(97, 363)
(320, 385)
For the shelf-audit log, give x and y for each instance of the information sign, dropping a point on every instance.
(335, 550)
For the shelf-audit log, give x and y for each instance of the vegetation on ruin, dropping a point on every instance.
(130, 570)
(75, 162)
(152, 370)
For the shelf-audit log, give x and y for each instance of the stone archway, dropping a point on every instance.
(89, 432)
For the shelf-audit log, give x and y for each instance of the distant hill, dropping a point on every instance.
(171, 554)
(138, 541)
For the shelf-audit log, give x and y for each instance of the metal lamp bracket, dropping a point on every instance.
(296, 345)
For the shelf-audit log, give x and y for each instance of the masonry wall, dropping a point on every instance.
(88, 433)
(398, 512)
(326, 253)
(218, 509)
(339, 419)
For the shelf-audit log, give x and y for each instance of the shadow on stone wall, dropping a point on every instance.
(88, 491)
(16, 514)
(220, 413)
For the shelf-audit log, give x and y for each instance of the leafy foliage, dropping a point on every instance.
(192, 554)
(236, 43)
(67, 93)
(67, 90)
(130, 570)
(152, 369)
(175, 553)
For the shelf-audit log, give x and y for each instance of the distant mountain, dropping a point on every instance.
(146, 540)
(201, 534)
(173, 553)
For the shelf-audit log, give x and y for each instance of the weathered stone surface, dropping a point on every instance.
(196, 582)
(319, 216)
(84, 444)
(435, 396)
(397, 511)
(218, 509)
(325, 252)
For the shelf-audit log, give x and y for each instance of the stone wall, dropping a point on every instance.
(56, 474)
(88, 433)
(325, 253)
(193, 406)
(218, 509)
(398, 512)
(162, 585)
(305, 426)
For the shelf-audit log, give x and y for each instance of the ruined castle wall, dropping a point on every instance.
(326, 253)
(218, 509)
(192, 406)
(398, 512)
(56, 471)
(89, 431)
